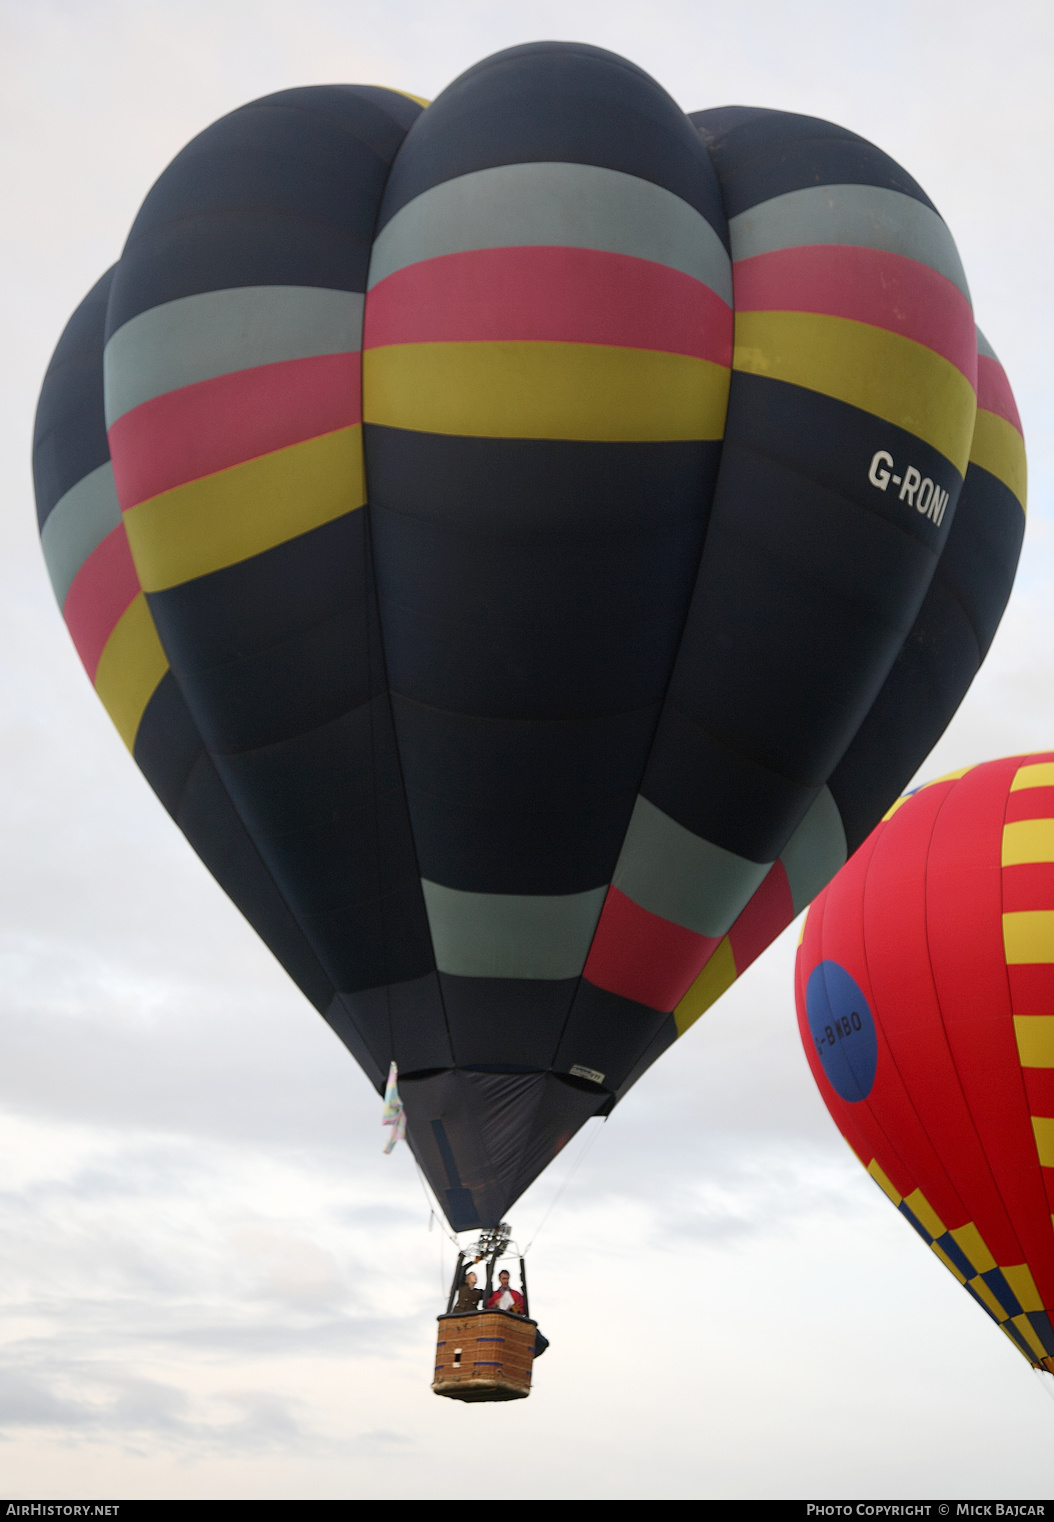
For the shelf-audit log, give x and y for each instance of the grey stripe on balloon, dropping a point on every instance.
(669, 871)
(77, 525)
(985, 348)
(861, 216)
(198, 338)
(511, 935)
(554, 205)
(815, 851)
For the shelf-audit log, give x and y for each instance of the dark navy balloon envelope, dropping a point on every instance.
(521, 635)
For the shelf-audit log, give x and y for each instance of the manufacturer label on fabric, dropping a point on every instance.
(843, 1031)
(923, 494)
(577, 1070)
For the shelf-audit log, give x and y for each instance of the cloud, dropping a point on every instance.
(89, 1402)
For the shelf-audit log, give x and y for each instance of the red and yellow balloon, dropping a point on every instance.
(925, 994)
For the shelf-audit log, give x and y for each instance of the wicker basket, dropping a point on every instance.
(485, 1355)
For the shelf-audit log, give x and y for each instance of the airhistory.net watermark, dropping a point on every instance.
(62, 1509)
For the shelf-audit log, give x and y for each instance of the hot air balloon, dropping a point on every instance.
(925, 992)
(522, 541)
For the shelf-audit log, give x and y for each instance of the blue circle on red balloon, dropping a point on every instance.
(843, 1031)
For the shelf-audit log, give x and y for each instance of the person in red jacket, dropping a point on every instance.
(505, 1298)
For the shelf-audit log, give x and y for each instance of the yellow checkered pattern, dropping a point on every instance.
(963, 1252)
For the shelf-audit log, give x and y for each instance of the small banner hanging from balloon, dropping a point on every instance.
(394, 1115)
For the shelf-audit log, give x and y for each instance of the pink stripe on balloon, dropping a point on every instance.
(556, 295)
(768, 912)
(865, 284)
(641, 956)
(217, 423)
(100, 592)
(994, 393)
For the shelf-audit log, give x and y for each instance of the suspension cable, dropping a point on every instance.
(433, 1214)
(563, 1187)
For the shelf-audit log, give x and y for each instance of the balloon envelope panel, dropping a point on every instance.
(477, 525)
(926, 1006)
(956, 624)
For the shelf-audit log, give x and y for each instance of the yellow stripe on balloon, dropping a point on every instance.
(538, 390)
(420, 100)
(1035, 1040)
(934, 782)
(1028, 936)
(988, 1297)
(1028, 840)
(883, 373)
(1043, 1128)
(1019, 1277)
(715, 979)
(923, 1211)
(998, 448)
(883, 1182)
(947, 777)
(233, 514)
(1024, 1326)
(1039, 774)
(969, 1239)
(953, 1268)
(130, 667)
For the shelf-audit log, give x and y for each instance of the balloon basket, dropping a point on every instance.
(485, 1355)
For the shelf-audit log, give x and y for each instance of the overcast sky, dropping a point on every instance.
(211, 1281)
